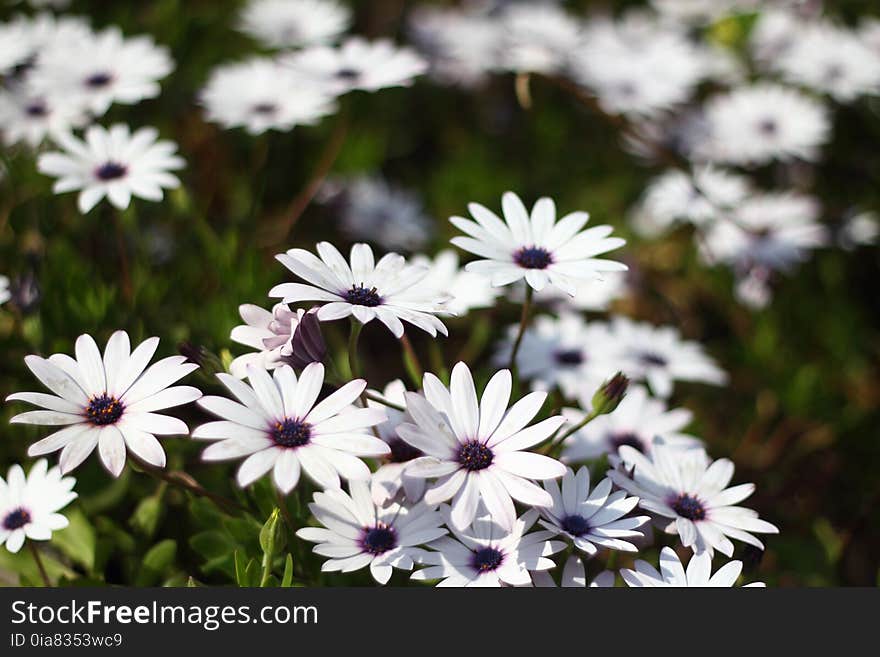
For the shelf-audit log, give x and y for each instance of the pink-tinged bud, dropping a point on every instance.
(610, 394)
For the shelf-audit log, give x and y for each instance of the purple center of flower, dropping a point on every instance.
(291, 433)
(98, 80)
(533, 257)
(569, 356)
(650, 358)
(402, 451)
(348, 74)
(361, 296)
(110, 171)
(688, 507)
(265, 108)
(379, 539)
(626, 438)
(575, 525)
(37, 109)
(768, 127)
(16, 519)
(104, 410)
(474, 455)
(486, 559)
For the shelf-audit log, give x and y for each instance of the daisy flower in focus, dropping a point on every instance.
(390, 480)
(573, 576)
(277, 424)
(475, 447)
(567, 353)
(280, 336)
(357, 64)
(106, 402)
(536, 247)
(114, 163)
(636, 421)
(592, 520)
(684, 486)
(259, 95)
(756, 124)
(29, 505)
(485, 555)
(673, 573)
(359, 533)
(294, 23)
(31, 119)
(466, 290)
(537, 37)
(699, 198)
(658, 355)
(390, 290)
(107, 68)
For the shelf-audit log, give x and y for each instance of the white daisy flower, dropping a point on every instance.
(280, 336)
(701, 197)
(387, 215)
(775, 32)
(278, 426)
(673, 573)
(462, 46)
(107, 402)
(860, 229)
(357, 64)
(658, 355)
(15, 47)
(391, 482)
(535, 247)
(537, 37)
(832, 60)
(573, 576)
(294, 23)
(475, 447)
(5, 293)
(31, 119)
(486, 555)
(260, 95)
(104, 69)
(636, 421)
(684, 486)
(467, 290)
(359, 533)
(774, 230)
(114, 163)
(756, 124)
(29, 505)
(389, 290)
(591, 520)
(637, 66)
(567, 353)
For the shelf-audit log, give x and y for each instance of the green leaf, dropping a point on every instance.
(156, 561)
(147, 515)
(77, 540)
(287, 578)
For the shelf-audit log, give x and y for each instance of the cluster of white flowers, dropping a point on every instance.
(771, 101)
(464, 487)
(313, 63)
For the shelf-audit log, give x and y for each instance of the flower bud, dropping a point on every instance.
(610, 394)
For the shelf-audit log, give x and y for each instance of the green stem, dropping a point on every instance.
(580, 425)
(381, 400)
(523, 324)
(353, 363)
(411, 361)
(39, 561)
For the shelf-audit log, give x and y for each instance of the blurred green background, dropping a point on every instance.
(800, 417)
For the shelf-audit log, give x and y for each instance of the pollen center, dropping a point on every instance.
(99, 80)
(487, 559)
(16, 519)
(361, 296)
(649, 358)
(291, 433)
(688, 507)
(104, 410)
(575, 525)
(474, 456)
(379, 539)
(110, 171)
(569, 356)
(533, 257)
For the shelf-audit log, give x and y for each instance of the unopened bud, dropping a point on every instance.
(610, 394)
